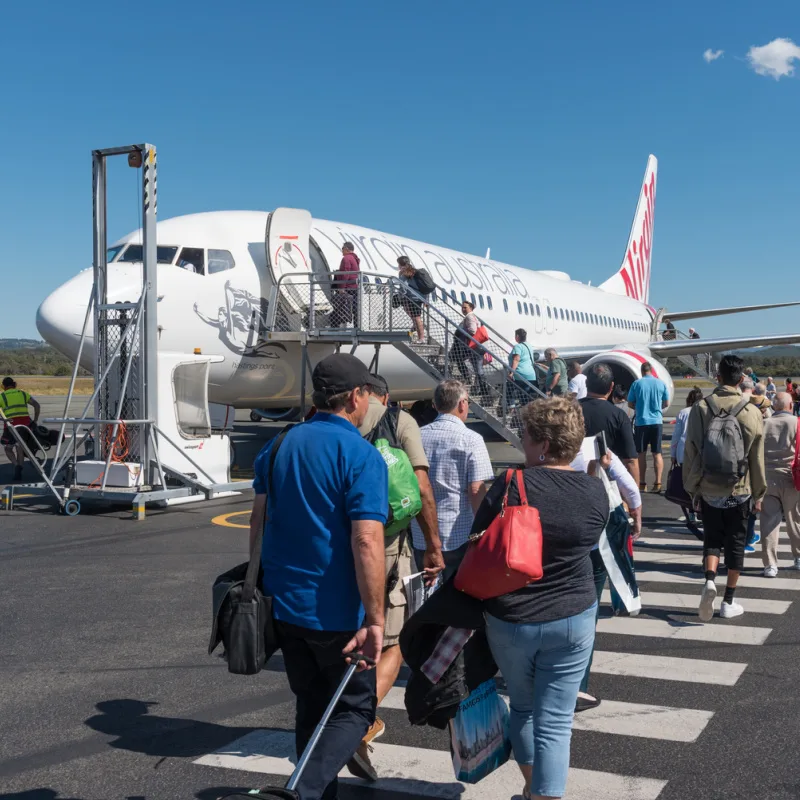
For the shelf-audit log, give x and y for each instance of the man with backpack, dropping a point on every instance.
(723, 471)
(397, 437)
(421, 282)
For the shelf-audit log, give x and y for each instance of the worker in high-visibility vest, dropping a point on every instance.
(14, 405)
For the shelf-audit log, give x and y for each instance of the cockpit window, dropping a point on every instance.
(164, 255)
(219, 261)
(113, 252)
(192, 258)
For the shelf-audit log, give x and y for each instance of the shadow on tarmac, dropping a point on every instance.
(168, 737)
(52, 794)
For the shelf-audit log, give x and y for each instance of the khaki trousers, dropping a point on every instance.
(781, 500)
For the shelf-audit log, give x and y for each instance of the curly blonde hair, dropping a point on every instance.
(557, 421)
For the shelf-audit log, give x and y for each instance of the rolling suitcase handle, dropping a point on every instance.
(288, 790)
(312, 743)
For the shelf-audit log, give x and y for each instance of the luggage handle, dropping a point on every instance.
(312, 743)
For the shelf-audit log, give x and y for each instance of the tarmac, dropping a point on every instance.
(108, 692)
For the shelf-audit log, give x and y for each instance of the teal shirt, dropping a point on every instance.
(649, 394)
(525, 368)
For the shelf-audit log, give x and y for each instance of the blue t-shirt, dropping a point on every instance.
(649, 393)
(325, 476)
(525, 368)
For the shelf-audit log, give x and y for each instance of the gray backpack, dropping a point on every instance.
(724, 456)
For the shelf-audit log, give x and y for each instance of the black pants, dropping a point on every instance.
(725, 528)
(315, 668)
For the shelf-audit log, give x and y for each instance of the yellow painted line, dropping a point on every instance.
(224, 519)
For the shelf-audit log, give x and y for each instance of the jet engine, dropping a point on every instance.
(626, 364)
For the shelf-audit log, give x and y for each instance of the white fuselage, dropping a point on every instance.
(212, 312)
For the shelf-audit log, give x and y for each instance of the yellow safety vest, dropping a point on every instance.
(14, 403)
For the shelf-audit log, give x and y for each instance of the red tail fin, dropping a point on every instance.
(633, 277)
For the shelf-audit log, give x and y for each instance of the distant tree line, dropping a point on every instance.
(40, 359)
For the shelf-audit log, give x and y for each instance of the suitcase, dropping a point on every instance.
(288, 792)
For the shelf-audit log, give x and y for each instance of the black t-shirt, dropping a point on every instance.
(600, 415)
(573, 509)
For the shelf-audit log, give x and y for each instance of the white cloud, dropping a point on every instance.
(712, 55)
(775, 59)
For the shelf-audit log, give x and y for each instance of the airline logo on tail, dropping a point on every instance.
(633, 278)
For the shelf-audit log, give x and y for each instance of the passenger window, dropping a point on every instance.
(538, 311)
(489, 302)
(480, 300)
(525, 308)
(549, 314)
(463, 297)
(453, 295)
(472, 297)
(378, 280)
(519, 307)
(219, 261)
(505, 304)
(192, 258)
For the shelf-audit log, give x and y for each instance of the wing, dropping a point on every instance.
(682, 347)
(675, 316)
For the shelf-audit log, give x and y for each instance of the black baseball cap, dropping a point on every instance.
(379, 383)
(340, 373)
(8, 382)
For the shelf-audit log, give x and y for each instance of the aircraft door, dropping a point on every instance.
(288, 257)
(537, 318)
(548, 314)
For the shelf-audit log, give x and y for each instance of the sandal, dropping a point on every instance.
(642, 487)
(656, 488)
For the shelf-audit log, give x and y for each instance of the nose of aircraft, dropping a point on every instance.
(60, 317)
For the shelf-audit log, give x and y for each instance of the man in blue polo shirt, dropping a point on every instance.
(649, 397)
(323, 561)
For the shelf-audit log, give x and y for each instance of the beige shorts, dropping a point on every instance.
(396, 599)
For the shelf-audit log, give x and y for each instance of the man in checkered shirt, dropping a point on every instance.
(459, 469)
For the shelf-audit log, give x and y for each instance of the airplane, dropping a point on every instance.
(216, 270)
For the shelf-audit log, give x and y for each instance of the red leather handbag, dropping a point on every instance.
(796, 461)
(508, 554)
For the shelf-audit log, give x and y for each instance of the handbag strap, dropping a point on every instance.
(523, 497)
(249, 588)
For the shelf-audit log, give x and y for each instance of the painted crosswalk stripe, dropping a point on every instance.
(671, 557)
(667, 668)
(419, 771)
(718, 632)
(673, 545)
(695, 578)
(624, 719)
(651, 600)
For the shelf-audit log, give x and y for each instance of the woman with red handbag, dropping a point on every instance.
(541, 635)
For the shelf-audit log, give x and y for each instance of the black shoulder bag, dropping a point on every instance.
(242, 614)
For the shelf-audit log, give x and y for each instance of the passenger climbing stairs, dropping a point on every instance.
(381, 311)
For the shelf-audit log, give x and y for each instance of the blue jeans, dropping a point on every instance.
(543, 664)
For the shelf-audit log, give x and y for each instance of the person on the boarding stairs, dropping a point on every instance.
(723, 471)
(345, 298)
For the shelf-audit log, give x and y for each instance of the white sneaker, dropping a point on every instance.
(707, 598)
(797, 563)
(730, 610)
(771, 571)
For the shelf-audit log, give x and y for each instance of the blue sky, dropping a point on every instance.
(521, 126)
